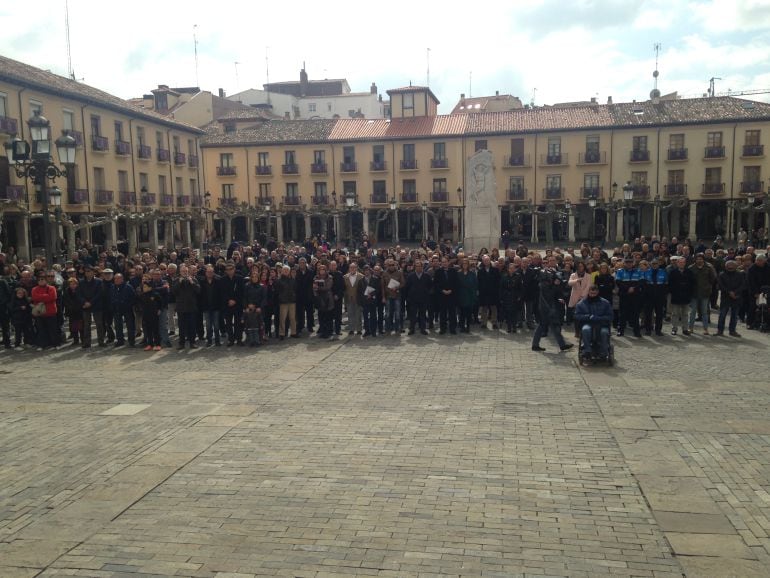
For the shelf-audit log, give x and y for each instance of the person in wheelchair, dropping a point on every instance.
(594, 317)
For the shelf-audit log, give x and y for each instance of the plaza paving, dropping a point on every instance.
(452, 456)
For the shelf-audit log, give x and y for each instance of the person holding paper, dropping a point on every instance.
(392, 283)
(354, 298)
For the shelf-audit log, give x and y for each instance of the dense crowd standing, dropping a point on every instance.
(250, 295)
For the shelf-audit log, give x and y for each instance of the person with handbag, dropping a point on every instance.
(45, 311)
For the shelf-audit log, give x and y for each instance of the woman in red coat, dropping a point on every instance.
(46, 321)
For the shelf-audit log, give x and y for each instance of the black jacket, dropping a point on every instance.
(254, 294)
(122, 298)
(731, 281)
(304, 285)
(489, 286)
(285, 290)
(758, 277)
(232, 289)
(551, 290)
(210, 297)
(418, 289)
(446, 279)
(681, 284)
(511, 289)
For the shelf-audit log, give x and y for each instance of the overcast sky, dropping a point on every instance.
(554, 50)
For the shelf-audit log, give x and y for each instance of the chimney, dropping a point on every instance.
(609, 100)
(303, 82)
(462, 96)
(373, 88)
(221, 93)
(497, 93)
(287, 115)
(593, 100)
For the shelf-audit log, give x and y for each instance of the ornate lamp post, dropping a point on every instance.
(628, 197)
(393, 207)
(611, 205)
(206, 212)
(54, 195)
(268, 205)
(350, 202)
(592, 206)
(34, 162)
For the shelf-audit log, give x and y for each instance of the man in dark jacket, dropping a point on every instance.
(550, 307)
(122, 300)
(90, 295)
(758, 276)
(531, 289)
(232, 303)
(186, 290)
(630, 282)
(489, 291)
(681, 285)
(445, 285)
(338, 291)
(731, 286)
(304, 283)
(210, 304)
(594, 316)
(285, 288)
(418, 294)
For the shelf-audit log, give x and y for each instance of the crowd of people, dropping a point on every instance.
(249, 295)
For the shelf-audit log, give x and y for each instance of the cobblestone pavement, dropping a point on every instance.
(450, 456)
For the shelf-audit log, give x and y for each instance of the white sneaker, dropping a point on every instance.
(18, 348)
(39, 349)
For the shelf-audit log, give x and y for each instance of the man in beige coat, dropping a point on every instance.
(354, 298)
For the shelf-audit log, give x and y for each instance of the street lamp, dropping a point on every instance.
(424, 207)
(592, 228)
(34, 162)
(350, 202)
(268, 203)
(628, 197)
(54, 195)
(393, 207)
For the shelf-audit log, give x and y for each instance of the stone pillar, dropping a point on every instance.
(571, 227)
(228, 230)
(111, 232)
(619, 229)
(425, 225)
(22, 236)
(533, 238)
(154, 242)
(337, 227)
(308, 227)
(279, 228)
(70, 230)
(186, 234)
(85, 232)
(131, 229)
(395, 225)
(456, 217)
(249, 228)
(691, 229)
(293, 226)
(729, 224)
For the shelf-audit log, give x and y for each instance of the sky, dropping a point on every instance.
(545, 51)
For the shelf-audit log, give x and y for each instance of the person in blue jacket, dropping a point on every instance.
(594, 313)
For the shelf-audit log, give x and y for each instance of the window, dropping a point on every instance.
(311, 107)
(554, 146)
(228, 191)
(175, 143)
(408, 100)
(292, 190)
(676, 177)
(409, 152)
(676, 141)
(553, 184)
(191, 147)
(179, 186)
(439, 150)
(517, 151)
(378, 154)
(289, 158)
(752, 175)
(592, 144)
(320, 189)
(144, 182)
(230, 127)
(379, 188)
(72, 182)
(99, 178)
(439, 185)
(713, 176)
(123, 181)
(193, 187)
(68, 119)
(714, 139)
(159, 139)
(319, 157)
(348, 187)
(591, 180)
(348, 154)
(162, 184)
(480, 145)
(118, 130)
(263, 159)
(140, 135)
(410, 190)
(96, 125)
(35, 106)
(264, 190)
(516, 188)
(3, 104)
(640, 143)
(639, 178)
(226, 159)
(752, 138)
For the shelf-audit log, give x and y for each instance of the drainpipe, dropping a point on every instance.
(730, 204)
(85, 156)
(133, 162)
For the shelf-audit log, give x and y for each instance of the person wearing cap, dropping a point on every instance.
(629, 281)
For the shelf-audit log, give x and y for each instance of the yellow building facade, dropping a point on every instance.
(136, 173)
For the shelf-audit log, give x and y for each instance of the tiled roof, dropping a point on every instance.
(541, 119)
(16, 72)
(248, 113)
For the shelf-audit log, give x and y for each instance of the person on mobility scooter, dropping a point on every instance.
(594, 317)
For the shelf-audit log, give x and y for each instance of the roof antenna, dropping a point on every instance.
(655, 93)
(470, 84)
(69, 50)
(712, 86)
(237, 82)
(428, 83)
(195, 44)
(534, 94)
(267, 74)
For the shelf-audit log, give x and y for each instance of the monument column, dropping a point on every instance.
(228, 230)
(482, 211)
(22, 237)
(366, 221)
(571, 226)
(308, 231)
(533, 238)
(279, 228)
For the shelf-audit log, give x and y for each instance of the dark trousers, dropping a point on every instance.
(5, 324)
(530, 312)
(23, 330)
(186, 327)
(511, 315)
(325, 323)
(305, 316)
(724, 309)
(151, 328)
(96, 317)
(466, 317)
(655, 305)
(337, 316)
(48, 333)
(545, 327)
(212, 325)
(107, 320)
(128, 319)
(629, 312)
(417, 312)
(370, 319)
(232, 324)
(448, 315)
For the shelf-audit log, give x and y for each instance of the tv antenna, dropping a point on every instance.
(195, 45)
(70, 72)
(712, 86)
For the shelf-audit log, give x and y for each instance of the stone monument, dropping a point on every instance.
(482, 213)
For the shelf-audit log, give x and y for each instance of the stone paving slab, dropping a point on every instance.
(464, 456)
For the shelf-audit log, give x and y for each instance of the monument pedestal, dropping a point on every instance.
(482, 212)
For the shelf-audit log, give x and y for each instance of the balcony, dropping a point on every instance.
(591, 193)
(439, 197)
(677, 155)
(122, 147)
(77, 197)
(639, 156)
(408, 165)
(592, 158)
(192, 161)
(675, 190)
(513, 161)
(180, 159)
(227, 202)
(127, 198)
(753, 187)
(77, 135)
(12, 193)
(318, 169)
(377, 166)
(265, 201)
(643, 191)
(183, 201)
(166, 201)
(320, 200)
(8, 125)
(514, 194)
(292, 200)
(713, 188)
(225, 171)
(144, 152)
(410, 197)
(714, 153)
(263, 170)
(439, 163)
(290, 169)
(148, 200)
(104, 197)
(553, 193)
(100, 143)
(379, 199)
(164, 155)
(349, 167)
(556, 159)
(753, 150)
